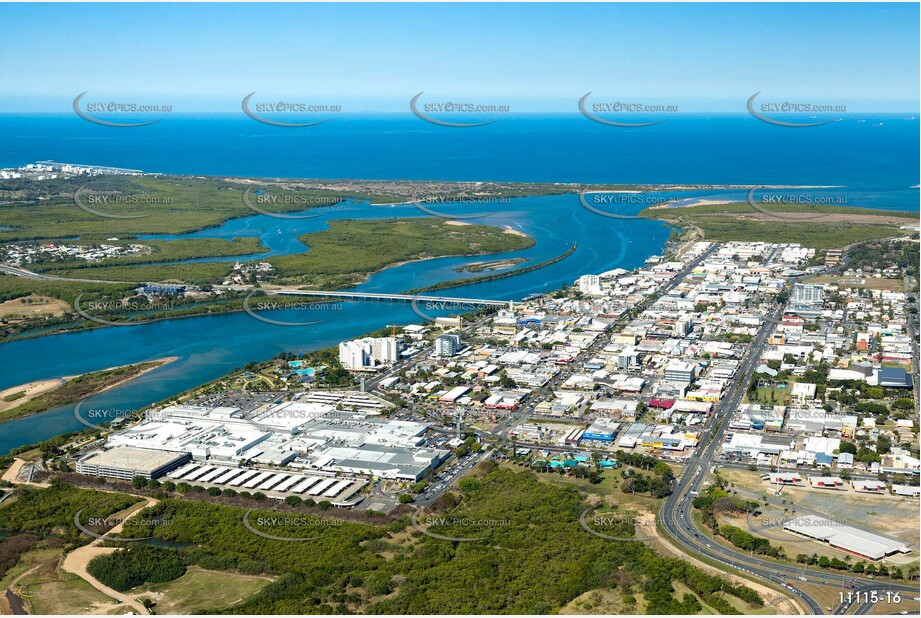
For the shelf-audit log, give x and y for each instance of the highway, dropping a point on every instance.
(28, 274)
(675, 516)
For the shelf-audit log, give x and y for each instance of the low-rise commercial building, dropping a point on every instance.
(127, 462)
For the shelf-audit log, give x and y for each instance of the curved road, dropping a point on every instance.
(677, 521)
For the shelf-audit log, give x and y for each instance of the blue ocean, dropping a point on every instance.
(875, 153)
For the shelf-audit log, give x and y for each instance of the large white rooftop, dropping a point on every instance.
(848, 538)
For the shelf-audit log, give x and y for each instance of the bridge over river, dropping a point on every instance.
(446, 300)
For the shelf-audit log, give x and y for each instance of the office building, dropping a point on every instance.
(677, 371)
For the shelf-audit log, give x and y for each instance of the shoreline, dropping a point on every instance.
(52, 384)
(405, 262)
(447, 285)
(269, 286)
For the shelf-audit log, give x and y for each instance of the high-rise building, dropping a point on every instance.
(808, 293)
(447, 345)
(590, 284)
(384, 350)
(368, 352)
(628, 359)
(352, 355)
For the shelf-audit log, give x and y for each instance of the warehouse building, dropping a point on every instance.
(602, 430)
(893, 377)
(454, 394)
(846, 538)
(127, 462)
(909, 491)
(380, 461)
(783, 478)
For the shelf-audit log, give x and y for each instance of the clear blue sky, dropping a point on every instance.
(205, 57)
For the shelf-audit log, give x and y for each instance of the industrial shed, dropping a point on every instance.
(846, 538)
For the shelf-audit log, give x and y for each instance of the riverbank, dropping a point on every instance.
(348, 253)
(493, 277)
(42, 395)
(476, 267)
(818, 227)
(217, 343)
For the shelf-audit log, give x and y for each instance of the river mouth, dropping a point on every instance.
(210, 346)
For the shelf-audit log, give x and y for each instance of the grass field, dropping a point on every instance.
(53, 591)
(604, 601)
(46, 589)
(763, 395)
(608, 490)
(49, 590)
(12, 287)
(32, 306)
(200, 590)
(840, 227)
(867, 283)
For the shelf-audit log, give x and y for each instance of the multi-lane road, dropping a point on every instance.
(676, 514)
(526, 411)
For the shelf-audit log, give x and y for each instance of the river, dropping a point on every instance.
(211, 346)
